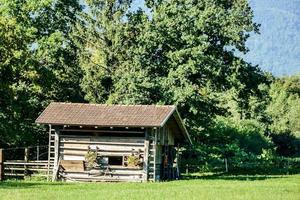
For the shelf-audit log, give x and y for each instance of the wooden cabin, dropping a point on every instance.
(95, 142)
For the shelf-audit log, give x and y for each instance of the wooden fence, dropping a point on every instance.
(22, 168)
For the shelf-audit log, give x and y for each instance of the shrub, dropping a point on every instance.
(133, 161)
(286, 144)
(90, 158)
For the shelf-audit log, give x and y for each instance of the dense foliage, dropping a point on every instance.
(38, 63)
(180, 52)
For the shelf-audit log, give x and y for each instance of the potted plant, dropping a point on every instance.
(133, 161)
(90, 159)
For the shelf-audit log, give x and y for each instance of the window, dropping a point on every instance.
(115, 160)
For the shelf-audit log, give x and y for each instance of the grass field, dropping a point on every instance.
(210, 187)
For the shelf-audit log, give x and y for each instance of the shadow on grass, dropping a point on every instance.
(20, 184)
(224, 176)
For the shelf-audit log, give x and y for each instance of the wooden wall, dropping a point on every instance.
(75, 147)
(151, 144)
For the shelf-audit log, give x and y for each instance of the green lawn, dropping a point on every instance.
(221, 187)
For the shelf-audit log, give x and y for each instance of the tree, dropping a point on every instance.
(284, 111)
(181, 53)
(284, 108)
(38, 64)
(102, 37)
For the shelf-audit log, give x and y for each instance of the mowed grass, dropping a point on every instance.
(220, 187)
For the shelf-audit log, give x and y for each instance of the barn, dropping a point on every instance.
(96, 142)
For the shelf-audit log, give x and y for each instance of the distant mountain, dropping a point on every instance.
(277, 48)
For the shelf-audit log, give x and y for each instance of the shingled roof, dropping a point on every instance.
(105, 115)
(82, 114)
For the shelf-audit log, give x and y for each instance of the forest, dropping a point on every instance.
(181, 52)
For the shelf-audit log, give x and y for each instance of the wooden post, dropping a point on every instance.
(226, 165)
(26, 153)
(146, 160)
(37, 152)
(154, 155)
(1, 165)
(56, 155)
(146, 156)
(26, 158)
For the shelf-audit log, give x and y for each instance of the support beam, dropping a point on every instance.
(146, 157)
(37, 152)
(26, 158)
(154, 154)
(56, 155)
(99, 131)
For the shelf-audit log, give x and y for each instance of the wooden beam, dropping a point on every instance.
(98, 131)
(101, 153)
(42, 163)
(56, 155)
(1, 165)
(102, 150)
(154, 154)
(146, 161)
(26, 158)
(104, 143)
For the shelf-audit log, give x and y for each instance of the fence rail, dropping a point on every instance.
(24, 167)
(21, 168)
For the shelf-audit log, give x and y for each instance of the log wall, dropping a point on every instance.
(75, 147)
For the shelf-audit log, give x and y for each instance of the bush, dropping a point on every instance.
(90, 158)
(247, 134)
(208, 159)
(244, 145)
(286, 144)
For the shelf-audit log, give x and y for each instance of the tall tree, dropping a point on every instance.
(38, 64)
(102, 37)
(284, 107)
(181, 52)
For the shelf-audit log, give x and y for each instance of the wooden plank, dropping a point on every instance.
(25, 163)
(154, 154)
(22, 175)
(146, 160)
(22, 169)
(73, 157)
(101, 179)
(72, 165)
(56, 155)
(49, 151)
(102, 139)
(1, 165)
(26, 158)
(117, 168)
(108, 177)
(100, 153)
(102, 148)
(28, 166)
(15, 174)
(74, 145)
(101, 172)
(102, 143)
(100, 131)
